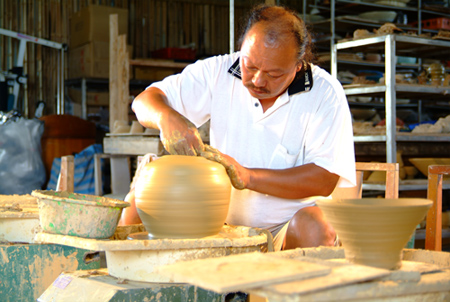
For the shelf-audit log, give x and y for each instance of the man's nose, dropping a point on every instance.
(258, 79)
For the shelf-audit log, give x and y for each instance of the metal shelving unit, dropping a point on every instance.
(342, 21)
(394, 45)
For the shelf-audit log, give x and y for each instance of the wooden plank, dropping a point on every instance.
(151, 25)
(144, 26)
(339, 276)
(66, 174)
(132, 27)
(433, 238)
(113, 70)
(242, 272)
(157, 63)
(172, 25)
(193, 24)
(206, 29)
(164, 25)
(138, 33)
(123, 80)
(133, 145)
(186, 23)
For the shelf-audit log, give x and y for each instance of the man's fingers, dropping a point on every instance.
(208, 155)
(208, 148)
(212, 156)
(199, 148)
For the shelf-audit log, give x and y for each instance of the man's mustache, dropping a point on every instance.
(259, 89)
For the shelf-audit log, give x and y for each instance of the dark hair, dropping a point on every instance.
(281, 23)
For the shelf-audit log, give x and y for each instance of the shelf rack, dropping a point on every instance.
(393, 45)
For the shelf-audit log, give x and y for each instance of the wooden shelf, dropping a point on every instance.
(158, 63)
(405, 185)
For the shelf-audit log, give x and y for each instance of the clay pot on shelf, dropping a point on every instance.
(436, 73)
(374, 231)
(182, 197)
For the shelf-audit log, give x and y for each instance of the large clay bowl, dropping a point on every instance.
(374, 231)
(422, 163)
(182, 197)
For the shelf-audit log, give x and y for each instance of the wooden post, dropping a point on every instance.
(123, 80)
(113, 70)
(433, 235)
(119, 76)
(66, 174)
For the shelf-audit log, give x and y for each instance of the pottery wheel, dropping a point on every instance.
(140, 236)
(142, 264)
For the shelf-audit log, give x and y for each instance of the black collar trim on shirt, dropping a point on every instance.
(303, 80)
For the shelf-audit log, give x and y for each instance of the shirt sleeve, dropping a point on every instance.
(190, 92)
(329, 143)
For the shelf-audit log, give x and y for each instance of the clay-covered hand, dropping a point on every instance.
(238, 175)
(180, 137)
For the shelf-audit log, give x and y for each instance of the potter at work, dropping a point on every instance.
(280, 126)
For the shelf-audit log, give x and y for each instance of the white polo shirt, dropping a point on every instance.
(309, 123)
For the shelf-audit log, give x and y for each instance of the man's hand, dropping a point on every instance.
(238, 175)
(177, 133)
(179, 136)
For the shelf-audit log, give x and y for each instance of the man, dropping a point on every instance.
(280, 126)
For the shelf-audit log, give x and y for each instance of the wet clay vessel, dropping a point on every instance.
(374, 231)
(182, 197)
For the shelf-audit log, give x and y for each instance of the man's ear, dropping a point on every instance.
(299, 67)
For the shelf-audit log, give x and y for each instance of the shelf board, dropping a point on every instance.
(351, 6)
(379, 65)
(102, 83)
(413, 137)
(420, 233)
(382, 106)
(158, 63)
(405, 137)
(348, 24)
(369, 138)
(403, 91)
(406, 45)
(405, 185)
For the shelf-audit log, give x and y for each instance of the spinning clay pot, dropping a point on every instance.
(374, 231)
(181, 196)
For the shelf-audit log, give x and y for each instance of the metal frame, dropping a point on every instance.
(20, 58)
(391, 44)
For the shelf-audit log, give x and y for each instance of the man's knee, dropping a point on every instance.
(308, 228)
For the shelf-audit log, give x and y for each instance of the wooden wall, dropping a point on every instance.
(153, 24)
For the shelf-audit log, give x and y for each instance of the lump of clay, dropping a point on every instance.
(387, 28)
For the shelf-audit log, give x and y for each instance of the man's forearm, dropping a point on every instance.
(150, 107)
(298, 182)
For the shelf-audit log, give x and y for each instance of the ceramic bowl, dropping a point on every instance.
(380, 16)
(363, 114)
(422, 163)
(374, 231)
(391, 3)
(80, 215)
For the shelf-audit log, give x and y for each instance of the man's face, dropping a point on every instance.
(267, 69)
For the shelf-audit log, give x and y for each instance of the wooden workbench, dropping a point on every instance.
(424, 276)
